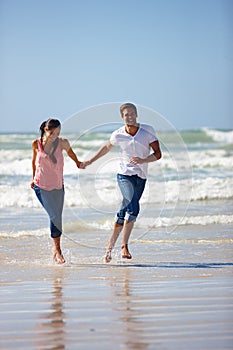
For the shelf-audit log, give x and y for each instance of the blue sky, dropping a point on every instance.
(62, 56)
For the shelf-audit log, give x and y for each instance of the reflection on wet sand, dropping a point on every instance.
(125, 303)
(51, 328)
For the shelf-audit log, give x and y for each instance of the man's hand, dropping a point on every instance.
(136, 160)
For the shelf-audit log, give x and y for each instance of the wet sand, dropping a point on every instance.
(159, 300)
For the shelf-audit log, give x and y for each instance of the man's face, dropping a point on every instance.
(129, 116)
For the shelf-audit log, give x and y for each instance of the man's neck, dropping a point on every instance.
(132, 129)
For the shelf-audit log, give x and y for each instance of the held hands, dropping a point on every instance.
(83, 165)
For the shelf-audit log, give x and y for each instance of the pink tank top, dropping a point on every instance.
(49, 175)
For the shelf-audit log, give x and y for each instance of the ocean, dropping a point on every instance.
(188, 191)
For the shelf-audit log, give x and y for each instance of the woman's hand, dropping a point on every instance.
(83, 165)
(32, 184)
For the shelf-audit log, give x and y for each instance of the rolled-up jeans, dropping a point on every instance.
(53, 202)
(132, 188)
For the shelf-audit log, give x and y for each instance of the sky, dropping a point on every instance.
(59, 57)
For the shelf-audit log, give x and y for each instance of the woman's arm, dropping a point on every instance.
(66, 146)
(34, 154)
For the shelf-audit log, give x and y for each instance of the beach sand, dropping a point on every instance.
(174, 294)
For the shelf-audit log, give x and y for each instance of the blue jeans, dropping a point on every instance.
(132, 188)
(52, 201)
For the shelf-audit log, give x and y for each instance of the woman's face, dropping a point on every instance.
(53, 133)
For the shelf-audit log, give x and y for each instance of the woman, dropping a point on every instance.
(47, 180)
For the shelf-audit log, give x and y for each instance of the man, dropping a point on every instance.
(135, 141)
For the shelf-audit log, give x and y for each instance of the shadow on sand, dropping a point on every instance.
(166, 265)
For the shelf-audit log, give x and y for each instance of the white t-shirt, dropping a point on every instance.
(133, 146)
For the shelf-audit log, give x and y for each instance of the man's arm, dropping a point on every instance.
(101, 152)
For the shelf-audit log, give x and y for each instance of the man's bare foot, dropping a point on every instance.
(58, 258)
(108, 257)
(125, 254)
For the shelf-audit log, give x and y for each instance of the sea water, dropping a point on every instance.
(188, 192)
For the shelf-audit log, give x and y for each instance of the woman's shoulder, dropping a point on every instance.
(35, 144)
(64, 143)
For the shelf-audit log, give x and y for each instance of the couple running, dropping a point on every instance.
(135, 141)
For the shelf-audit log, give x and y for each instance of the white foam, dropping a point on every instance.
(149, 222)
(185, 190)
(220, 136)
(215, 159)
(35, 233)
(106, 193)
(18, 162)
(203, 174)
(144, 224)
(186, 220)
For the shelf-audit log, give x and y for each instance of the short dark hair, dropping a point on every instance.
(128, 105)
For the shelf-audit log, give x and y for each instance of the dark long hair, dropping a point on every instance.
(49, 125)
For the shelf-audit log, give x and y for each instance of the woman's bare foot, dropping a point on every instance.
(57, 254)
(58, 257)
(125, 254)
